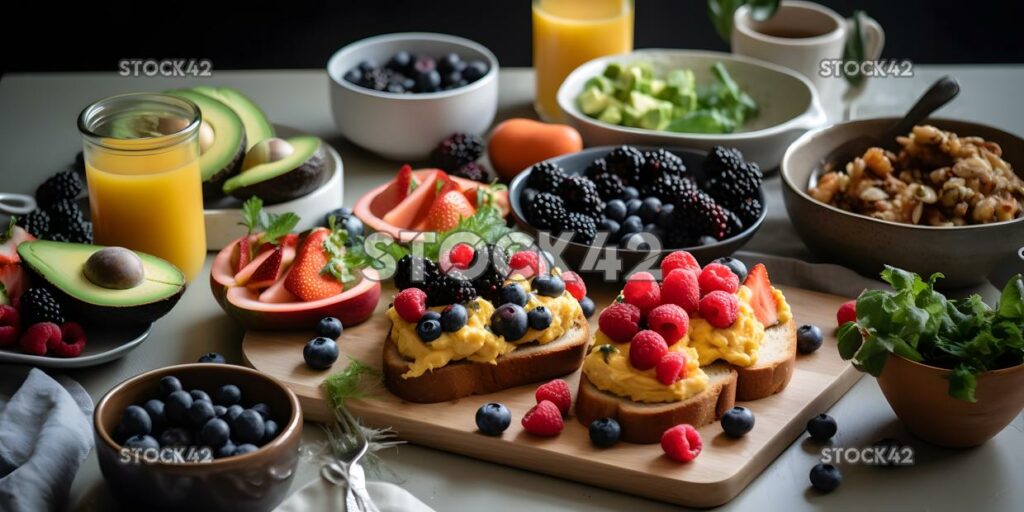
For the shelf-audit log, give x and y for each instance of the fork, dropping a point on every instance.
(345, 469)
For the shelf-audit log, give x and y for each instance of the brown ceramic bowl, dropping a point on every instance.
(919, 395)
(966, 255)
(245, 483)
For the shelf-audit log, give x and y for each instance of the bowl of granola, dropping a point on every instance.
(947, 199)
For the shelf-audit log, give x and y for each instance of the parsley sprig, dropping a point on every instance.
(271, 226)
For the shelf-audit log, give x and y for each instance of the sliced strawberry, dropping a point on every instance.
(399, 188)
(14, 281)
(415, 206)
(448, 209)
(243, 276)
(268, 271)
(242, 254)
(277, 294)
(762, 299)
(306, 280)
(499, 198)
(9, 248)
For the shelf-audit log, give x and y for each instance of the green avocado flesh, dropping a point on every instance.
(295, 175)
(223, 158)
(257, 127)
(61, 264)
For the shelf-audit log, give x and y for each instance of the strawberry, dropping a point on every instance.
(306, 280)
(13, 280)
(448, 209)
(9, 241)
(399, 189)
(244, 252)
(762, 298)
(268, 271)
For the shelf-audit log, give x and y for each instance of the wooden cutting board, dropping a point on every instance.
(722, 470)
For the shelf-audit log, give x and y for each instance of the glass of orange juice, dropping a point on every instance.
(142, 167)
(567, 33)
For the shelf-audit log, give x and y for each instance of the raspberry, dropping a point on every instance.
(410, 304)
(646, 349)
(544, 419)
(671, 368)
(556, 392)
(670, 321)
(461, 256)
(71, 342)
(716, 276)
(36, 338)
(720, 308)
(847, 312)
(574, 283)
(10, 325)
(678, 259)
(620, 321)
(680, 288)
(642, 291)
(527, 263)
(682, 442)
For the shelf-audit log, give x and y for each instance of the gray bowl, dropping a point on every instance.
(575, 252)
(966, 255)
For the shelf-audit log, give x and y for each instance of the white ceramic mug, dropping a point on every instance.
(800, 36)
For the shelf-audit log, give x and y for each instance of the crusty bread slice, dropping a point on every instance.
(458, 379)
(644, 423)
(774, 367)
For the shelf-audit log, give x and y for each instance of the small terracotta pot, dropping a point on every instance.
(919, 395)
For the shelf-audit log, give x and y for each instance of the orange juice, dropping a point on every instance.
(145, 190)
(567, 33)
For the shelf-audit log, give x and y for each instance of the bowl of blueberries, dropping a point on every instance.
(399, 95)
(204, 436)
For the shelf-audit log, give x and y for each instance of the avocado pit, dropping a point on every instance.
(114, 268)
(267, 151)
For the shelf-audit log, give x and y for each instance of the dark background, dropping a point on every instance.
(73, 36)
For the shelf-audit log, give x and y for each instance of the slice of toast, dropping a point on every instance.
(644, 423)
(528, 363)
(774, 367)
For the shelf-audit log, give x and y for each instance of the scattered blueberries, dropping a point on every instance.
(212, 357)
(227, 395)
(604, 432)
(736, 422)
(141, 443)
(320, 353)
(169, 385)
(243, 449)
(826, 477)
(588, 306)
(615, 210)
(736, 266)
(329, 327)
(135, 421)
(493, 418)
(428, 328)
(407, 73)
(808, 338)
(539, 318)
(454, 317)
(822, 427)
(510, 321)
(215, 433)
(263, 409)
(344, 218)
(155, 409)
(233, 411)
(513, 293)
(248, 427)
(548, 285)
(198, 394)
(200, 412)
(178, 403)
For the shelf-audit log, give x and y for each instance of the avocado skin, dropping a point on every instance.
(295, 183)
(213, 188)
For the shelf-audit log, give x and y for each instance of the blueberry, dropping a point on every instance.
(822, 427)
(429, 82)
(175, 437)
(233, 412)
(474, 71)
(509, 321)
(428, 329)
(808, 338)
(399, 61)
(200, 412)
(611, 226)
(513, 293)
(432, 315)
(629, 193)
(329, 327)
(270, 431)
(227, 450)
(604, 432)
(649, 209)
(248, 427)
(219, 410)
(243, 449)
(707, 240)
(198, 394)
(215, 433)
(354, 76)
(135, 421)
(141, 442)
(449, 62)
(168, 385)
(650, 228)
(451, 79)
(539, 318)
(615, 210)
(826, 477)
(367, 65)
(408, 84)
(493, 418)
(177, 404)
(320, 353)
(548, 285)
(631, 225)
(263, 409)
(454, 317)
(635, 242)
(588, 306)
(736, 422)
(212, 357)
(226, 395)
(736, 266)
(633, 206)
(155, 409)
(665, 216)
(352, 224)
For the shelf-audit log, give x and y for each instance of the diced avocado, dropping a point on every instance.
(613, 70)
(296, 174)
(257, 126)
(612, 115)
(656, 87)
(631, 116)
(657, 118)
(592, 102)
(60, 266)
(223, 157)
(600, 83)
(681, 79)
(643, 102)
(628, 82)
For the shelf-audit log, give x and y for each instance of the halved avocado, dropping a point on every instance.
(60, 266)
(257, 126)
(293, 176)
(223, 158)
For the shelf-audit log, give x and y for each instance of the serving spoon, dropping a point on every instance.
(940, 93)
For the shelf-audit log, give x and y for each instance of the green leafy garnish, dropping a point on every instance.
(920, 324)
(607, 350)
(278, 226)
(252, 214)
(853, 51)
(357, 380)
(487, 223)
(272, 226)
(721, 13)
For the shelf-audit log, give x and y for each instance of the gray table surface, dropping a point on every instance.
(38, 137)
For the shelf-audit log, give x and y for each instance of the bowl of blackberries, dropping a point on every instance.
(639, 202)
(206, 436)
(399, 95)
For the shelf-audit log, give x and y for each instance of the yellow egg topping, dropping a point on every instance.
(739, 343)
(607, 367)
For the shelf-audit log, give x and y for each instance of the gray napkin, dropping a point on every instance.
(45, 433)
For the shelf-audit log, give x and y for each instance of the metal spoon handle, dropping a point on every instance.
(940, 93)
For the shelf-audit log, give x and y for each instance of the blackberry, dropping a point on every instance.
(596, 168)
(748, 210)
(625, 161)
(698, 212)
(580, 195)
(450, 288)
(36, 223)
(457, 150)
(63, 185)
(38, 305)
(488, 284)
(679, 235)
(426, 269)
(546, 211)
(57, 237)
(378, 79)
(64, 214)
(546, 177)
(721, 159)
(80, 232)
(609, 186)
(733, 186)
(583, 226)
(669, 186)
(472, 171)
(663, 161)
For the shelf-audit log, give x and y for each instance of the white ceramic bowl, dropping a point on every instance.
(409, 126)
(789, 105)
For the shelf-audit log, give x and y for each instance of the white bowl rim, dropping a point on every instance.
(805, 139)
(813, 116)
(355, 46)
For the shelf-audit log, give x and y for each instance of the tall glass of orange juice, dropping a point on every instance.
(567, 33)
(142, 167)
